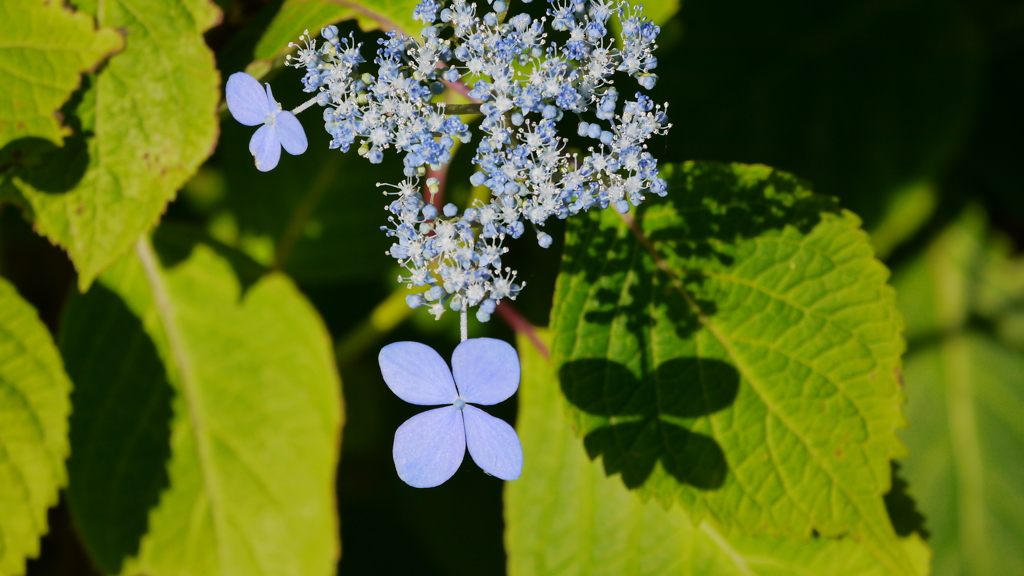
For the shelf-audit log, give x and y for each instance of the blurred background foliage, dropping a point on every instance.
(909, 111)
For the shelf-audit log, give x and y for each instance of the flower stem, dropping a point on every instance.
(464, 322)
(304, 105)
(459, 109)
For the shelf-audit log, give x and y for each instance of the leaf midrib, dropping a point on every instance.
(165, 310)
(956, 371)
(705, 321)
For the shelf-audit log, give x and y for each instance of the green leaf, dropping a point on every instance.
(965, 386)
(148, 120)
(659, 11)
(737, 351)
(294, 18)
(249, 441)
(297, 16)
(44, 47)
(564, 517)
(34, 410)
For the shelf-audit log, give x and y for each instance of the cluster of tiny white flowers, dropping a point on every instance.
(525, 81)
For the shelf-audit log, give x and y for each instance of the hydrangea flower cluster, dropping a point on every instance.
(525, 75)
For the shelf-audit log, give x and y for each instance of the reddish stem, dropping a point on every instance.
(518, 323)
(461, 88)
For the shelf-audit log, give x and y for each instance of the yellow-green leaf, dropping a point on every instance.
(44, 48)
(735, 347)
(147, 121)
(249, 441)
(34, 411)
(563, 517)
(297, 16)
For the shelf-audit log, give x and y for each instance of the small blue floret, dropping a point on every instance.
(252, 106)
(430, 446)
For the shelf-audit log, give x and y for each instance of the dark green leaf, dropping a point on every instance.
(316, 216)
(248, 428)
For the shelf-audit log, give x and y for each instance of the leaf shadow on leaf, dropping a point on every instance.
(648, 417)
(46, 166)
(710, 210)
(713, 209)
(906, 518)
(120, 425)
(174, 244)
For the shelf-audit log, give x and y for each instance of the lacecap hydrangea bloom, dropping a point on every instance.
(523, 75)
(429, 447)
(525, 78)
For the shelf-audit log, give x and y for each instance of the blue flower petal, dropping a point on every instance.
(266, 147)
(417, 374)
(493, 444)
(246, 99)
(486, 370)
(271, 103)
(292, 136)
(429, 447)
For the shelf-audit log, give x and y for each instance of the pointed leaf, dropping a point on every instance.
(44, 48)
(34, 411)
(147, 120)
(735, 348)
(256, 421)
(564, 517)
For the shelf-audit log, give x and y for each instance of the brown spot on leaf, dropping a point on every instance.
(899, 375)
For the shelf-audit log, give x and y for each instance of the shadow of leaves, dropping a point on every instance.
(648, 418)
(45, 166)
(120, 428)
(618, 296)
